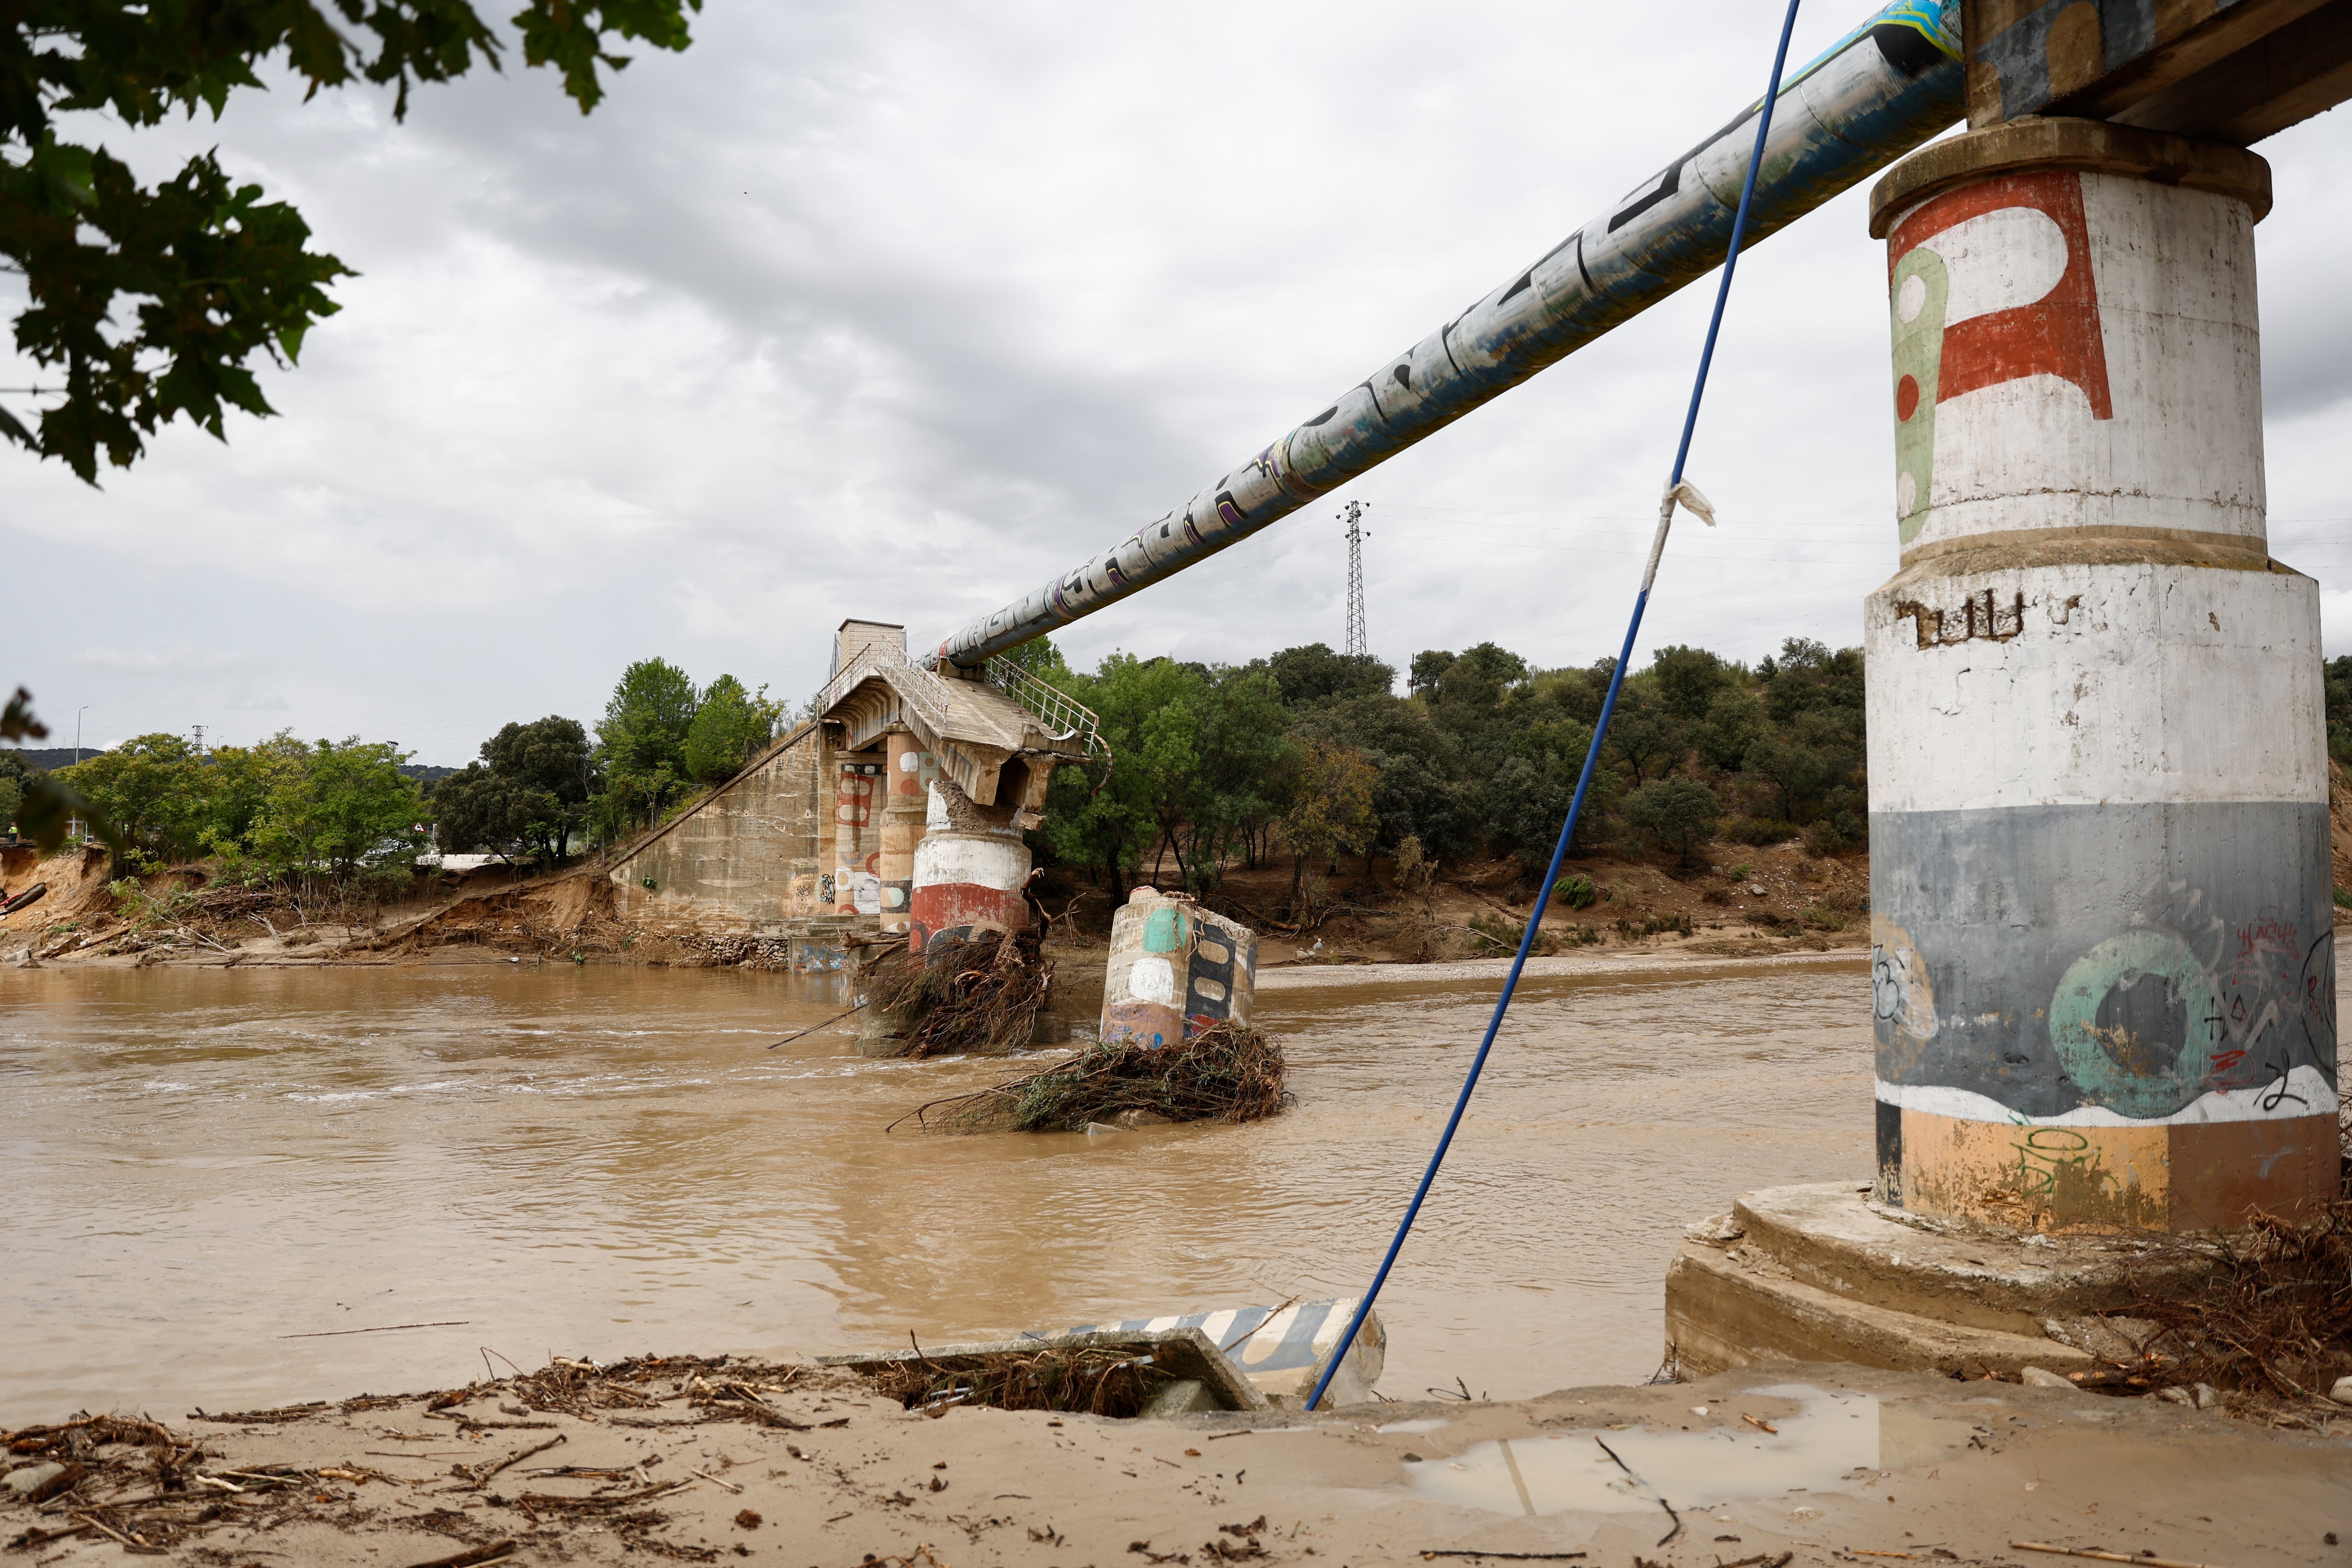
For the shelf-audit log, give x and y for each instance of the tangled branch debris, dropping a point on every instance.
(978, 994)
(2271, 1317)
(140, 1483)
(1112, 1383)
(1226, 1073)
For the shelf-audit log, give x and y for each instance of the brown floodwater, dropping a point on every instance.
(195, 1166)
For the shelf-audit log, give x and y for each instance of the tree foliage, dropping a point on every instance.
(1330, 808)
(154, 788)
(347, 806)
(727, 729)
(1676, 813)
(1215, 764)
(282, 807)
(155, 303)
(527, 795)
(640, 742)
(45, 806)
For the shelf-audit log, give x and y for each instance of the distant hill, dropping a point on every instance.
(423, 773)
(47, 757)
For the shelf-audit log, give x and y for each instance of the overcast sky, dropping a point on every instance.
(895, 310)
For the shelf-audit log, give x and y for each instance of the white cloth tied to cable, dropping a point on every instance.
(1688, 495)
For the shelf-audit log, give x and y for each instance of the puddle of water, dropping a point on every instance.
(1823, 1447)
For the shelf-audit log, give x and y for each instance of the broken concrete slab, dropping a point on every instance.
(1282, 1350)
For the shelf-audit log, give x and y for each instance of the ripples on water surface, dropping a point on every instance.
(603, 1161)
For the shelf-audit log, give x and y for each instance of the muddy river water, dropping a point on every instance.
(198, 1166)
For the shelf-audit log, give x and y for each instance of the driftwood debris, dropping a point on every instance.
(1226, 1073)
(2269, 1319)
(980, 994)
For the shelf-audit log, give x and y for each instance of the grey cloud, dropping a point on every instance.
(895, 310)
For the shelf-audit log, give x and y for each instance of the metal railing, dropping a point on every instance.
(917, 685)
(1061, 717)
(925, 690)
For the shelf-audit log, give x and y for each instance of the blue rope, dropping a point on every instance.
(1592, 751)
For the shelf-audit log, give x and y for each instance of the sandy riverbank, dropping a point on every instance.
(1664, 961)
(1827, 1464)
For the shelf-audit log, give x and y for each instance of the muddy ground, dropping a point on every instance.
(718, 1460)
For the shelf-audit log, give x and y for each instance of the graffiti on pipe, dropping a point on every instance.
(1885, 88)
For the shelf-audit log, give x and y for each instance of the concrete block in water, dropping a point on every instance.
(1283, 1352)
(1175, 969)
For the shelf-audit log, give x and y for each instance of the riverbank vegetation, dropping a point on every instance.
(342, 811)
(1215, 768)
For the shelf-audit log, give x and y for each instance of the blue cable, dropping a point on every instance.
(1592, 751)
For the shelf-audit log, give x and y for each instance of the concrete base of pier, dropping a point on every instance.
(1823, 1274)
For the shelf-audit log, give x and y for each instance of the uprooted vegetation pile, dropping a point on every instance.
(2269, 1321)
(1226, 1073)
(980, 994)
(1082, 1379)
(153, 1489)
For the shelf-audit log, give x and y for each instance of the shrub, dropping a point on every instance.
(1497, 937)
(1578, 892)
(1757, 830)
(1676, 813)
(1829, 835)
(1651, 925)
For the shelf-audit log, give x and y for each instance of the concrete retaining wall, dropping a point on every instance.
(754, 852)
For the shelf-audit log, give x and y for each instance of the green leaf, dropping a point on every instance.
(218, 273)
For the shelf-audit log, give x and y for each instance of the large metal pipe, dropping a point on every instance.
(1881, 91)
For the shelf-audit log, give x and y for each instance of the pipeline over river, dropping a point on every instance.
(1881, 91)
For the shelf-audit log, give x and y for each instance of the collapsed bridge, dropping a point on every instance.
(2101, 886)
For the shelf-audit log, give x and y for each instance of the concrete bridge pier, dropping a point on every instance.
(2100, 879)
(904, 810)
(968, 869)
(2100, 894)
(857, 842)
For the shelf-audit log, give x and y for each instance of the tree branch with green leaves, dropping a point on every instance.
(159, 302)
